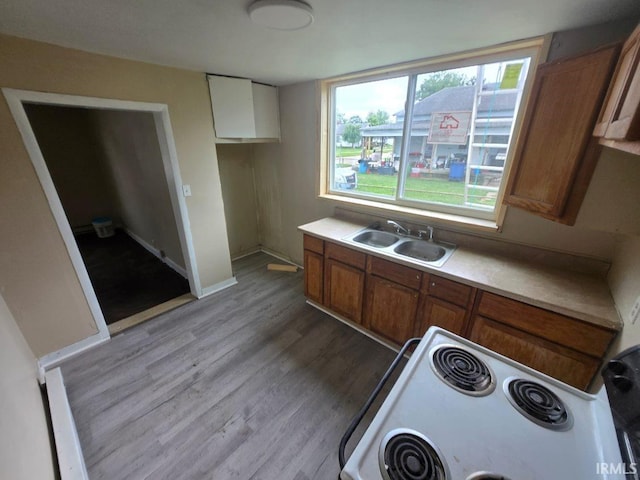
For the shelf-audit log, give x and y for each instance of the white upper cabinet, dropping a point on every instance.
(243, 110)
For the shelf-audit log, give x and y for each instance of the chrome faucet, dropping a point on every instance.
(429, 232)
(399, 228)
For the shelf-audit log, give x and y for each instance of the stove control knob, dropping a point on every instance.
(622, 383)
(616, 366)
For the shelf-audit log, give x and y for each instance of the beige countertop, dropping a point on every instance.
(570, 293)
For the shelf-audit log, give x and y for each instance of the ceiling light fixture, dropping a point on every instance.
(281, 14)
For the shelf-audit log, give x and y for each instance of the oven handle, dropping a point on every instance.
(356, 420)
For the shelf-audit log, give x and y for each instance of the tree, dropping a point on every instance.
(355, 119)
(377, 118)
(351, 133)
(340, 118)
(440, 80)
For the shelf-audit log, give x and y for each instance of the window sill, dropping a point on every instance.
(449, 219)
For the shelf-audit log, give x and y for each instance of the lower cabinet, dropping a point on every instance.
(562, 347)
(390, 309)
(397, 302)
(436, 312)
(313, 276)
(446, 304)
(344, 289)
(344, 281)
(313, 268)
(572, 367)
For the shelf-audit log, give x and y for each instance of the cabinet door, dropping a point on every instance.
(556, 133)
(313, 276)
(562, 363)
(436, 312)
(390, 309)
(232, 105)
(620, 116)
(266, 111)
(343, 289)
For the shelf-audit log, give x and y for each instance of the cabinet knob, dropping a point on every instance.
(417, 277)
(433, 284)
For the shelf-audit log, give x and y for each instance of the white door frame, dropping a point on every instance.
(15, 99)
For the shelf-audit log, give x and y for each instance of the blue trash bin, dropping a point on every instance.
(456, 172)
(363, 167)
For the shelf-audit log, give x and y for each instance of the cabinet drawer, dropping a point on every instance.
(345, 255)
(314, 244)
(552, 326)
(572, 367)
(448, 290)
(406, 276)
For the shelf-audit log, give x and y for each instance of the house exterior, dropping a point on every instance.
(495, 105)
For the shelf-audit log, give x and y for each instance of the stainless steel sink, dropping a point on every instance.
(421, 250)
(402, 247)
(376, 238)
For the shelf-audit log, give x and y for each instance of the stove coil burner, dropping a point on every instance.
(463, 371)
(407, 455)
(538, 403)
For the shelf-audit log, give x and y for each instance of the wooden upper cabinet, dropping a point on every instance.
(555, 154)
(620, 115)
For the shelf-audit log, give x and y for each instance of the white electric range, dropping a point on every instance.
(459, 411)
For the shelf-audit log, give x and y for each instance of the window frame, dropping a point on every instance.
(535, 48)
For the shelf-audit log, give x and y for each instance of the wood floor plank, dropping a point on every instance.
(249, 383)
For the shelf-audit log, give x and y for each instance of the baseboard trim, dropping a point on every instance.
(51, 360)
(69, 452)
(280, 257)
(153, 250)
(229, 282)
(246, 254)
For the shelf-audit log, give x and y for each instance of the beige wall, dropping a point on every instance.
(624, 280)
(36, 275)
(238, 191)
(25, 450)
(286, 174)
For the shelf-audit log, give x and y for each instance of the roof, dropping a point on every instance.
(459, 99)
(450, 99)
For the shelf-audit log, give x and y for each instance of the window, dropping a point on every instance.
(435, 137)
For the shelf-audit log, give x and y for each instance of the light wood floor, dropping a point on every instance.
(250, 383)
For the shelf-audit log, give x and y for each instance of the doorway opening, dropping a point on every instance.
(110, 173)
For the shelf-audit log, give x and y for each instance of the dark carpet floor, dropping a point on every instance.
(127, 278)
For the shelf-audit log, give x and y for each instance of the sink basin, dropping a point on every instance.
(402, 247)
(421, 250)
(376, 239)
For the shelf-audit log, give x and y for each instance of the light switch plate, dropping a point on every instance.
(635, 311)
(186, 190)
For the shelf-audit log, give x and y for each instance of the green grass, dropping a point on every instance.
(348, 152)
(439, 190)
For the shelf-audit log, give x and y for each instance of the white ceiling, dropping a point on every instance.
(217, 36)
